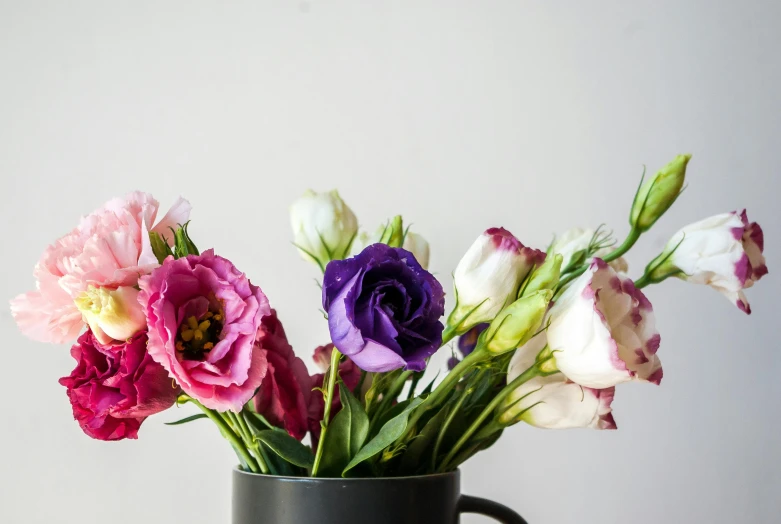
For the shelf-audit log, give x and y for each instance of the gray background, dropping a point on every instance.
(536, 116)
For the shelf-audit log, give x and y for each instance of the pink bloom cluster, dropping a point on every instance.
(197, 326)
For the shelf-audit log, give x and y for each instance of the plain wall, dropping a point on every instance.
(536, 116)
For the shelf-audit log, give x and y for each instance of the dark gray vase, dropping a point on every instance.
(430, 499)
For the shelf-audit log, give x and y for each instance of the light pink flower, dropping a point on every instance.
(109, 248)
(602, 331)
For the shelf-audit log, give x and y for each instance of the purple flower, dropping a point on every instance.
(383, 309)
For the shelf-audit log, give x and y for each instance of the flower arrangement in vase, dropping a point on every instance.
(544, 337)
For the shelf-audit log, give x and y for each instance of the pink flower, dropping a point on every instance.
(110, 248)
(114, 388)
(283, 396)
(204, 316)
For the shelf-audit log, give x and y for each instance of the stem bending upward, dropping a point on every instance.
(333, 375)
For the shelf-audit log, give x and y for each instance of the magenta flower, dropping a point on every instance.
(115, 387)
(204, 316)
(283, 396)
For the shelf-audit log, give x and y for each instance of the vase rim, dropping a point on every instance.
(456, 473)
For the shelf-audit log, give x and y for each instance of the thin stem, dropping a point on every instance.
(643, 281)
(448, 334)
(626, 245)
(488, 411)
(393, 392)
(228, 433)
(414, 384)
(239, 425)
(445, 427)
(441, 391)
(333, 374)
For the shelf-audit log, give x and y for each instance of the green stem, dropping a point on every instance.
(239, 424)
(393, 392)
(626, 245)
(445, 427)
(448, 334)
(228, 433)
(442, 390)
(643, 281)
(414, 384)
(488, 411)
(333, 374)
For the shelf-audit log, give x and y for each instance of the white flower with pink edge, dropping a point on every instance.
(602, 330)
(553, 401)
(488, 277)
(723, 252)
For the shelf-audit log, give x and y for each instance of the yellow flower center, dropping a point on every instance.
(197, 336)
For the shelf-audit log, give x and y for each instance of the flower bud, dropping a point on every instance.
(393, 233)
(517, 323)
(418, 246)
(658, 194)
(488, 277)
(112, 314)
(323, 226)
(544, 277)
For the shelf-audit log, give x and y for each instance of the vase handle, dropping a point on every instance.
(489, 508)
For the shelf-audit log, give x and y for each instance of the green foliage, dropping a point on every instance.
(346, 435)
(390, 431)
(287, 447)
(186, 420)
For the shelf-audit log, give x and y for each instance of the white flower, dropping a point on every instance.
(418, 246)
(723, 251)
(576, 240)
(602, 331)
(488, 277)
(112, 314)
(553, 402)
(323, 226)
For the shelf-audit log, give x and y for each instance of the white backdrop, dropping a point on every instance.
(536, 116)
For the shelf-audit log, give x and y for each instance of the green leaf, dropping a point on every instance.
(345, 436)
(186, 420)
(287, 447)
(390, 432)
(411, 460)
(160, 247)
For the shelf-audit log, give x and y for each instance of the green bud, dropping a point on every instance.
(658, 193)
(183, 245)
(160, 247)
(544, 277)
(393, 234)
(516, 323)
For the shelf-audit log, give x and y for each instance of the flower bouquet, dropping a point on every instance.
(543, 337)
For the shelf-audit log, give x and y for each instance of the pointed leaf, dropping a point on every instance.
(392, 430)
(346, 435)
(186, 420)
(411, 460)
(287, 447)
